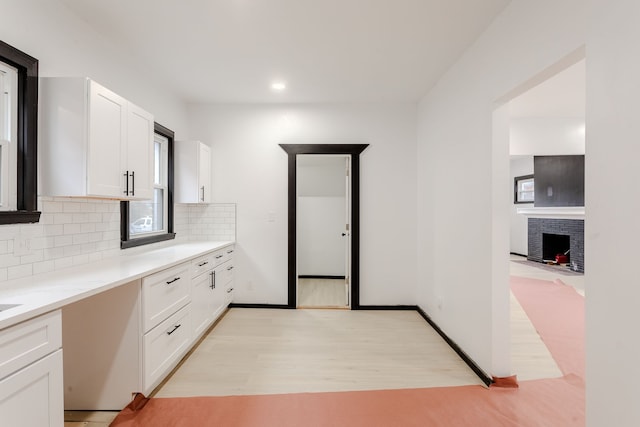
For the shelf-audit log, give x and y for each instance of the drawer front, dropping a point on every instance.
(202, 264)
(163, 293)
(219, 257)
(29, 341)
(165, 345)
(228, 293)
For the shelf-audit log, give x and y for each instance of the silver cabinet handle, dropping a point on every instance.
(202, 198)
(213, 279)
(133, 183)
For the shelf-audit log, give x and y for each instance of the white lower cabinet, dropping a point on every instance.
(165, 345)
(31, 395)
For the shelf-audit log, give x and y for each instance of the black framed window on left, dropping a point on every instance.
(151, 221)
(18, 136)
(523, 189)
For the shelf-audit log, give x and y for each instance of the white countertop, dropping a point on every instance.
(46, 292)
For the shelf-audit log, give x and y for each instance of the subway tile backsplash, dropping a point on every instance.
(75, 231)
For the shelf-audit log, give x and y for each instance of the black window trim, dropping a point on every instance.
(27, 167)
(515, 189)
(125, 240)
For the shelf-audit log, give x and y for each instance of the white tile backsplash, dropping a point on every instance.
(78, 231)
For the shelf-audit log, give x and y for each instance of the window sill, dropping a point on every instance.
(19, 217)
(132, 243)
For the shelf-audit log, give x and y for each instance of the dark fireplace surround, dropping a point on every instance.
(558, 232)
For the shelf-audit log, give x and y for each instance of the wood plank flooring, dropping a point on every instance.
(254, 351)
(322, 293)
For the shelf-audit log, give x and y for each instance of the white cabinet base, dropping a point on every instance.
(33, 396)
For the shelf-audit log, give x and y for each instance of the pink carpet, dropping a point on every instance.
(555, 310)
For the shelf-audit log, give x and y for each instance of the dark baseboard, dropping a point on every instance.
(271, 306)
(464, 356)
(387, 307)
(311, 276)
(516, 253)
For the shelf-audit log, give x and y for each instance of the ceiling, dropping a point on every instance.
(220, 51)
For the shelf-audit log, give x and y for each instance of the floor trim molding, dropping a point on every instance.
(486, 379)
(270, 306)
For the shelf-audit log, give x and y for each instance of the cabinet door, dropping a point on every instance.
(33, 395)
(107, 136)
(204, 173)
(139, 152)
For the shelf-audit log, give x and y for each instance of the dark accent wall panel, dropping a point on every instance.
(559, 180)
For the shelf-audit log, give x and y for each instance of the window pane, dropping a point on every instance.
(147, 216)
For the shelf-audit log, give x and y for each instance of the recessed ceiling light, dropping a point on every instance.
(278, 86)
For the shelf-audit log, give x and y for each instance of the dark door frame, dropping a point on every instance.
(345, 149)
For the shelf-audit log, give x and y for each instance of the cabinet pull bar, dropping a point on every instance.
(126, 179)
(230, 252)
(230, 268)
(174, 280)
(174, 329)
(202, 198)
(213, 279)
(219, 256)
(133, 183)
(229, 290)
(204, 263)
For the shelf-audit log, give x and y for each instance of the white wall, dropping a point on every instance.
(251, 169)
(546, 136)
(612, 204)
(459, 285)
(519, 166)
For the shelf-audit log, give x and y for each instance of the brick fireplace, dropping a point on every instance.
(556, 234)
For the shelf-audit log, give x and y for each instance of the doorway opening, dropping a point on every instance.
(323, 230)
(346, 153)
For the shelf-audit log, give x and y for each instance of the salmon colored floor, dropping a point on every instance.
(556, 311)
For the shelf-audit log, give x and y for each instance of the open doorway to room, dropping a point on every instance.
(323, 230)
(547, 145)
(352, 208)
(544, 122)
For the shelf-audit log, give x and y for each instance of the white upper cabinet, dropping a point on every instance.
(193, 172)
(94, 142)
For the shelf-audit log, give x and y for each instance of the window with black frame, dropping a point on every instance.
(151, 221)
(523, 189)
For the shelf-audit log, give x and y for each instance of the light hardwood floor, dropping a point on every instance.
(286, 351)
(322, 293)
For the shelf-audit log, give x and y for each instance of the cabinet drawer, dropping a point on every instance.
(202, 264)
(165, 345)
(163, 293)
(225, 273)
(33, 395)
(29, 341)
